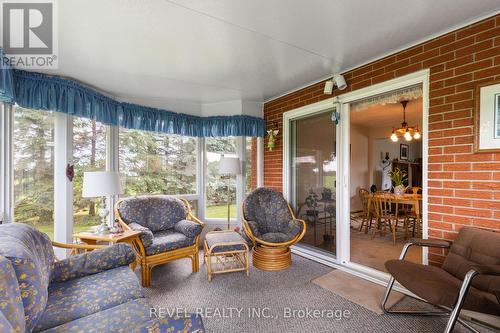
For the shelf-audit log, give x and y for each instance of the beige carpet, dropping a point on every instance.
(357, 290)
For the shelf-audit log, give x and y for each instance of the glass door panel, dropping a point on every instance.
(313, 172)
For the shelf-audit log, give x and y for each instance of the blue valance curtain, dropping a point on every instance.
(45, 92)
(6, 81)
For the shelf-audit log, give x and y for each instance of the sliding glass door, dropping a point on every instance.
(313, 177)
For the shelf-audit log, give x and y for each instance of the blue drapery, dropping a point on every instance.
(6, 80)
(46, 92)
(51, 93)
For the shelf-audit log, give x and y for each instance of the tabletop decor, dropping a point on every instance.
(398, 177)
(487, 117)
(101, 184)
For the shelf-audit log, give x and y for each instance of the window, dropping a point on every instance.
(251, 165)
(33, 165)
(89, 154)
(215, 185)
(156, 163)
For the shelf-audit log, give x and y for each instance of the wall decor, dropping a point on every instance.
(404, 152)
(487, 117)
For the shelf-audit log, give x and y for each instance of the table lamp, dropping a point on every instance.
(101, 184)
(228, 167)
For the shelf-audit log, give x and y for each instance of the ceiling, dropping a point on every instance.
(388, 115)
(182, 54)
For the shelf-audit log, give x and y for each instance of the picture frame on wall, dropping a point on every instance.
(487, 117)
(404, 152)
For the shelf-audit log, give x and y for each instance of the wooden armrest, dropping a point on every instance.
(77, 246)
(487, 269)
(430, 242)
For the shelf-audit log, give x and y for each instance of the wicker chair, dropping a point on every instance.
(169, 230)
(271, 225)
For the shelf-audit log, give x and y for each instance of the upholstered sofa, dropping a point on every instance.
(169, 230)
(271, 225)
(90, 292)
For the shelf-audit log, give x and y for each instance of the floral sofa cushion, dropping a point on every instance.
(11, 305)
(268, 216)
(189, 228)
(77, 298)
(168, 240)
(146, 235)
(155, 212)
(5, 326)
(32, 258)
(91, 292)
(93, 262)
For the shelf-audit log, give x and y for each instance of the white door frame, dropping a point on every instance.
(306, 111)
(342, 259)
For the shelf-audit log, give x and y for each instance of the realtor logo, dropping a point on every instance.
(28, 34)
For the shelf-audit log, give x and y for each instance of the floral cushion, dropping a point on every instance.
(217, 240)
(84, 296)
(93, 262)
(189, 228)
(146, 235)
(132, 316)
(193, 324)
(168, 240)
(155, 212)
(269, 209)
(276, 237)
(254, 227)
(5, 326)
(11, 304)
(31, 254)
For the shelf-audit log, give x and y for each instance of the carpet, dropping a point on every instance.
(285, 301)
(357, 290)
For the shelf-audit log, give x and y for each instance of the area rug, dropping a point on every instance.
(284, 301)
(357, 290)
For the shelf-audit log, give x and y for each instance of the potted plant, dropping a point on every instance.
(398, 177)
(326, 194)
(312, 204)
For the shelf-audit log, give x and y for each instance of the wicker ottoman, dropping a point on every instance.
(224, 252)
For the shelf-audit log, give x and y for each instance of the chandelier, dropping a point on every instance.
(408, 132)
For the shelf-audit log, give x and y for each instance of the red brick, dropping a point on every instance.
(474, 194)
(463, 187)
(473, 212)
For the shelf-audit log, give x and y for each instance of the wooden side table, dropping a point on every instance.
(127, 236)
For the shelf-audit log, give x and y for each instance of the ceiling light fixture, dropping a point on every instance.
(338, 81)
(408, 132)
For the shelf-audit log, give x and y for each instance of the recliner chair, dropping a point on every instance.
(468, 279)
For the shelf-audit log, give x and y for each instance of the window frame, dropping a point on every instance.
(63, 148)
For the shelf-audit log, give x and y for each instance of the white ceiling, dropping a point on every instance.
(180, 54)
(388, 115)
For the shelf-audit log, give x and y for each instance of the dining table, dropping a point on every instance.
(408, 199)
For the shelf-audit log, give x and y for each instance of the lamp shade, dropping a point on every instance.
(229, 166)
(101, 183)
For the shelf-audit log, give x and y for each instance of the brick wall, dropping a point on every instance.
(463, 187)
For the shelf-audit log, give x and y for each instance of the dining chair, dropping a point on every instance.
(386, 216)
(367, 216)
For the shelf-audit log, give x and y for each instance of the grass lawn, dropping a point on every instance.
(211, 212)
(220, 212)
(49, 229)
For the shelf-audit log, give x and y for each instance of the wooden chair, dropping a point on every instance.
(367, 216)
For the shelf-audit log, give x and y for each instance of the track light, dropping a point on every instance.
(338, 81)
